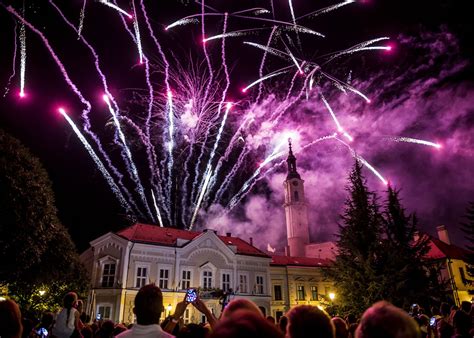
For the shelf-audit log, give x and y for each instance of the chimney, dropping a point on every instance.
(443, 234)
(228, 234)
(251, 241)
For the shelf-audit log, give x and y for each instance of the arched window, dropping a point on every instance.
(296, 196)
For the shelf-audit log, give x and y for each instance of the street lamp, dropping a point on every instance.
(169, 307)
(42, 292)
(332, 296)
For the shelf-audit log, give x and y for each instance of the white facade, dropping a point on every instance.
(119, 267)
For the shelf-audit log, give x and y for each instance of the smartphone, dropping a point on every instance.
(191, 295)
(98, 317)
(433, 321)
(42, 332)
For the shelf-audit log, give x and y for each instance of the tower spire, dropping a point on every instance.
(291, 160)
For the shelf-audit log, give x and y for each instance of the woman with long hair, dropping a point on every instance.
(67, 319)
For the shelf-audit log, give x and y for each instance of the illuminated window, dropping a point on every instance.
(300, 292)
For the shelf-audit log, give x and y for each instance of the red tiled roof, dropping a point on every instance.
(146, 233)
(299, 261)
(439, 249)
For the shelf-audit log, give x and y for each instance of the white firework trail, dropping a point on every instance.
(137, 33)
(266, 77)
(157, 210)
(117, 8)
(22, 57)
(325, 10)
(82, 16)
(115, 189)
(416, 141)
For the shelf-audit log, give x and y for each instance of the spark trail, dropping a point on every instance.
(416, 141)
(82, 16)
(117, 8)
(22, 57)
(115, 189)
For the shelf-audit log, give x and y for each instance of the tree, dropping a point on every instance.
(411, 280)
(468, 228)
(356, 270)
(36, 250)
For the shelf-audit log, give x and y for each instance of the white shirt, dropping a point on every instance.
(63, 327)
(145, 331)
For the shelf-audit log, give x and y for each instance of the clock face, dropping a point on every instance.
(295, 183)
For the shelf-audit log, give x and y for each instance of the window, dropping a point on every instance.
(243, 284)
(277, 292)
(108, 275)
(207, 279)
(185, 279)
(278, 315)
(164, 277)
(314, 293)
(297, 196)
(300, 292)
(142, 274)
(225, 281)
(105, 311)
(259, 286)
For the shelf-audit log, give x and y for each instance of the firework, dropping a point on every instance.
(199, 149)
(416, 141)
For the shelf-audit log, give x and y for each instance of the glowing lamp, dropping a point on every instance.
(42, 292)
(332, 295)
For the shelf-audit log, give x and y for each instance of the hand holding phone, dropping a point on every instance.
(191, 295)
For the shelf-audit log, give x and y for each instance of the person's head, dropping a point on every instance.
(342, 330)
(282, 323)
(148, 305)
(119, 328)
(241, 304)
(245, 324)
(351, 319)
(79, 305)
(466, 306)
(193, 331)
(106, 329)
(303, 320)
(87, 332)
(47, 320)
(69, 300)
(444, 309)
(461, 322)
(271, 320)
(10, 319)
(383, 320)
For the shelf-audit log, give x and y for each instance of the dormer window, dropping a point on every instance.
(108, 275)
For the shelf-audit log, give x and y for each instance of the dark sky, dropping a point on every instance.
(434, 34)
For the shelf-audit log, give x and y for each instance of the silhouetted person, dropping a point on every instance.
(383, 320)
(193, 331)
(443, 328)
(10, 319)
(241, 304)
(342, 330)
(283, 323)
(148, 309)
(462, 324)
(245, 324)
(308, 321)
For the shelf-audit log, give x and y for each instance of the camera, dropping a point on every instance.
(191, 295)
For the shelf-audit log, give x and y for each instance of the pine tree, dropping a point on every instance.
(468, 228)
(356, 270)
(410, 280)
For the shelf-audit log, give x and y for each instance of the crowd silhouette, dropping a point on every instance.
(241, 318)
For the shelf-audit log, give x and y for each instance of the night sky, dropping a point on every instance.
(421, 89)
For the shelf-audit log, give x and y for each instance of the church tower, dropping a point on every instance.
(297, 230)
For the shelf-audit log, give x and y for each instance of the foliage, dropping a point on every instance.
(36, 251)
(468, 228)
(378, 257)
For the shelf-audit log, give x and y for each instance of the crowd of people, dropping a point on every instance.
(241, 318)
